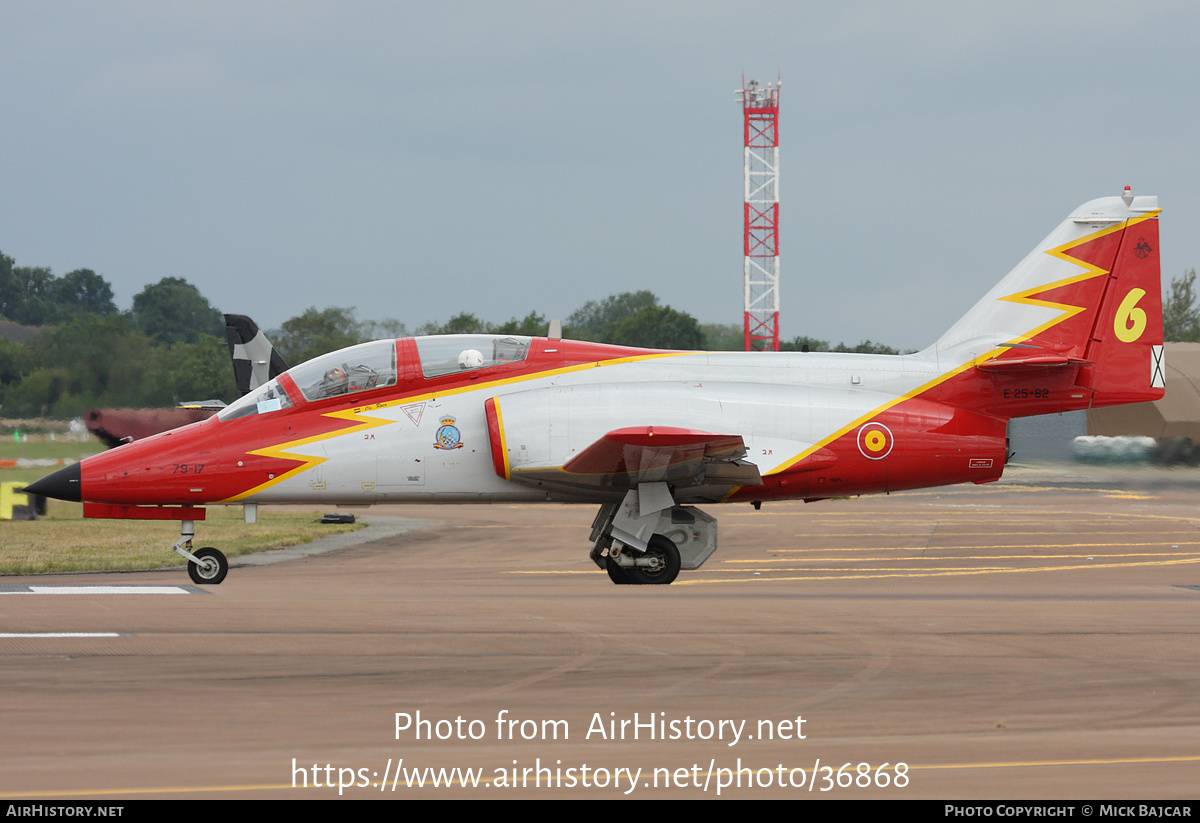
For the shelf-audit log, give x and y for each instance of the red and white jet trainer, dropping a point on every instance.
(487, 418)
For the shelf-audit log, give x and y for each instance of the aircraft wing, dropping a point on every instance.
(628, 456)
(650, 453)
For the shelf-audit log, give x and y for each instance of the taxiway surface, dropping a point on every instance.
(1019, 640)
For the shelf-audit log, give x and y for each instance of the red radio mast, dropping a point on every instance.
(760, 110)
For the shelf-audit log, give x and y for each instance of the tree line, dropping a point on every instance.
(1181, 317)
(169, 346)
(626, 319)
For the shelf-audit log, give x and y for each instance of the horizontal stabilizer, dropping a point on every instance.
(1036, 362)
(206, 405)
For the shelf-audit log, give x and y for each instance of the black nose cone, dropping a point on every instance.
(62, 485)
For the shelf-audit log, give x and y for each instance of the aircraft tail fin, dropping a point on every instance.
(255, 360)
(1085, 305)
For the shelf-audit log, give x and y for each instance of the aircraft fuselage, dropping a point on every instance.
(1077, 324)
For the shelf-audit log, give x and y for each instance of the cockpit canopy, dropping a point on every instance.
(358, 368)
(448, 354)
(373, 366)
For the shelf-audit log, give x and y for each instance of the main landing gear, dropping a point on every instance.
(206, 565)
(658, 564)
(646, 539)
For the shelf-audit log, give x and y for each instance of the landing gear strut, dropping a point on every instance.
(207, 565)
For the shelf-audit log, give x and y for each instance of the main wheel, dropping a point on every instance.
(615, 573)
(211, 569)
(668, 567)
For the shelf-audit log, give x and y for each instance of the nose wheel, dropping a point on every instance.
(205, 566)
(210, 566)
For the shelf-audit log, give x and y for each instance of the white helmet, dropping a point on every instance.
(470, 359)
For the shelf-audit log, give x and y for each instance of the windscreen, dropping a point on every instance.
(266, 398)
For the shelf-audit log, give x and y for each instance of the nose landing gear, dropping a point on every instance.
(205, 566)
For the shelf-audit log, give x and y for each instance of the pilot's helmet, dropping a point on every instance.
(470, 359)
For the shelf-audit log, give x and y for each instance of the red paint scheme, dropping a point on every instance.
(119, 512)
(618, 452)
(934, 445)
(952, 432)
(936, 418)
(955, 431)
(215, 460)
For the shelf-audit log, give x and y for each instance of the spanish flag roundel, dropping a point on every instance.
(874, 441)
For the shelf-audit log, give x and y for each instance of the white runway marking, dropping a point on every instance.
(6, 635)
(35, 589)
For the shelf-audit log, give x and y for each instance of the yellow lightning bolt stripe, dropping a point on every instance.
(1090, 270)
(365, 422)
(308, 461)
(1019, 297)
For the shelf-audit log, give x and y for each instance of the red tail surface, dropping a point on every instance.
(1077, 324)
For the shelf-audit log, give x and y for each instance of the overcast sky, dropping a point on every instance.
(418, 160)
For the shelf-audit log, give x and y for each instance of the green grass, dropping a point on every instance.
(52, 449)
(63, 541)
